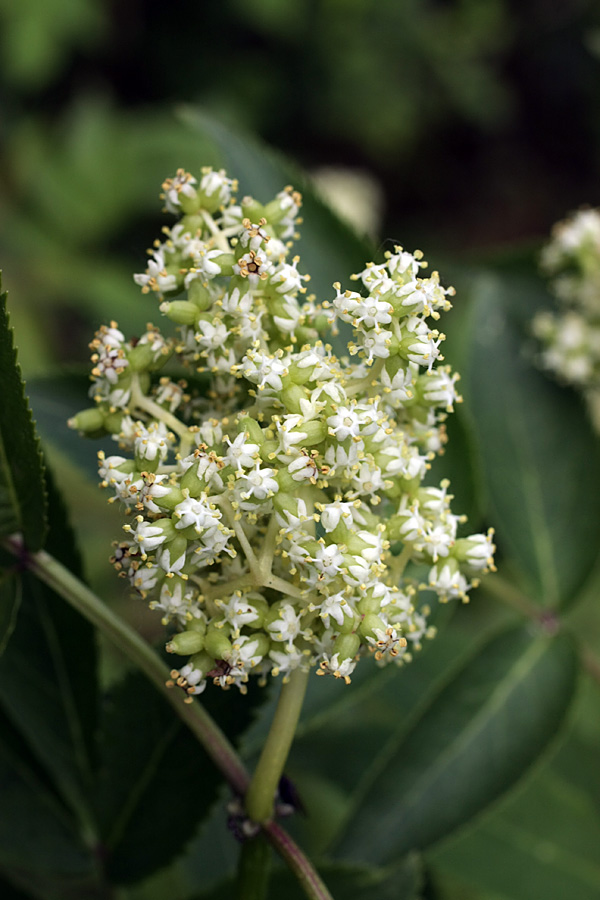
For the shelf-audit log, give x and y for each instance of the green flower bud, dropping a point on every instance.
(252, 428)
(370, 624)
(88, 421)
(181, 311)
(349, 625)
(369, 604)
(285, 503)
(218, 644)
(285, 481)
(199, 295)
(190, 482)
(346, 646)
(167, 527)
(203, 662)
(314, 430)
(185, 643)
(141, 357)
(291, 396)
(262, 609)
(190, 203)
(170, 500)
(264, 644)
(192, 223)
(113, 422)
(253, 210)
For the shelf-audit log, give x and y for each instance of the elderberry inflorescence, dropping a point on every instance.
(571, 336)
(277, 511)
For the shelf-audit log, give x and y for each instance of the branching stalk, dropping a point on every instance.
(263, 787)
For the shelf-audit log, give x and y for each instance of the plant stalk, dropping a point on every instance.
(253, 869)
(260, 798)
(70, 588)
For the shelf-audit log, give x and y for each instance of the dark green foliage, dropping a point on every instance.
(541, 461)
(480, 733)
(22, 497)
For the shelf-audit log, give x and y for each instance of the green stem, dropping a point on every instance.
(309, 879)
(141, 654)
(208, 733)
(139, 400)
(253, 869)
(263, 787)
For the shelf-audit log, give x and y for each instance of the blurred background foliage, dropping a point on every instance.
(478, 124)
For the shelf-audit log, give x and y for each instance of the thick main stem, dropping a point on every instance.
(263, 787)
(253, 868)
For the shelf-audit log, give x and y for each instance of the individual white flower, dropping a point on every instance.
(287, 433)
(198, 513)
(146, 535)
(344, 424)
(376, 545)
(375, 344)
(174, 602)
(287, 626)
(253, 266)
(156, 277)
(303, 468)
(421, 344)
(447, 580)
(337, 607)
(399, 389)
(237, 302)
(438, 387)
(368, 479)
(258, 483)
(341, 668)
(181, 183)
(191, 680)
(328, 560)
(292, 522)
(264, 370)
(285, 277)
(372, 313)
(477, 550)
(404, 266)
(169, 394)
(109, 471)
(333, 513)
(242, 453)
(151, 442)
(211, 335)
(217, 185)
(286, 660)
(205, 265)
(238, 610)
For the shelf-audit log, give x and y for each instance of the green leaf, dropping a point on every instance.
(48, 690)
(472, 743)
(156, 783)
(22, 498)
(330, 249)
(41, 847)
(541, 461)
(10, 600)
(542, 843)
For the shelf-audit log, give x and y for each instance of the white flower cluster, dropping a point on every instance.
(571, 336)
(278, 515)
